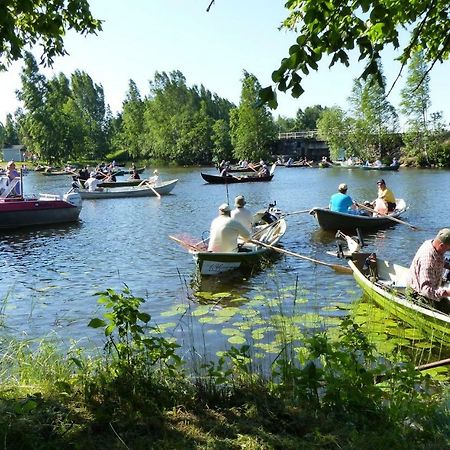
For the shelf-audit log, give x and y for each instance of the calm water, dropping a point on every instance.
(49, 276)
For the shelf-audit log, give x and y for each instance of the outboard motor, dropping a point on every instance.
(74, 198)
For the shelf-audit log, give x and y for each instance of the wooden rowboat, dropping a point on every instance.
(393, 168)
(142, 191)
(116, 184)
(249, 254)
(332, 220)
(387, 290)
(217, 179)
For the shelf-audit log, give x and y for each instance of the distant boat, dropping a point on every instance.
(393, 168)
(218, 179)
(142, 191)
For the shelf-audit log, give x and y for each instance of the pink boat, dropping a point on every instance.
(17, 211)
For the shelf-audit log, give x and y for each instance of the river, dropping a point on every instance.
(50, 276)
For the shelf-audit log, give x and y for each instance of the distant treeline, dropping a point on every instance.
(66, 119)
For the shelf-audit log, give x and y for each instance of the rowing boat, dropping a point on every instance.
(218, 179)
(383, 168)
(385, 284)
(116, 184)
(249, 254)
(333, 220)
(145, 190)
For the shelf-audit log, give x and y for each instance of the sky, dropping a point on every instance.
(141, 37)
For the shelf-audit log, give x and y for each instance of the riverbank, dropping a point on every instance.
(139, 394)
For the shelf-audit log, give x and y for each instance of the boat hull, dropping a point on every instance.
(382, 168)
(143, 191)
(432, 322)
(215, 263)
(332, 220)
(217, 179)
(28, 213)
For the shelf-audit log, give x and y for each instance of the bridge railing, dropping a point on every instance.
(299, 135)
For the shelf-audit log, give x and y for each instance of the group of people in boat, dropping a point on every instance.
(263, 169)
(385, 202)
(229, 226)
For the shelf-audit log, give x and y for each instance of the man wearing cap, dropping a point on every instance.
(241, 213)
(386, 195)
(224, 232)
(341, 202)
(92, 183)
(427, 267)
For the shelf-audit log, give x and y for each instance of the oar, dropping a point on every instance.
(154, 190)
(184, 243)
(387, 216)
(336, 267)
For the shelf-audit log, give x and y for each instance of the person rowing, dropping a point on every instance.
(342, 202)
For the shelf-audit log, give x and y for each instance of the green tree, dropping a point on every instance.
(41, 22)
(133, 120)
(11, 132)
(88, 111)
(334, 127)
(366, 26)
(221, 141)
(415, 102)
(285, 124)
(374, 118)
(307, 120)
(252, 127)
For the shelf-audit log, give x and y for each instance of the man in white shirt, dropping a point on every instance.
(241, 213)
(92, 183)
(224, 232)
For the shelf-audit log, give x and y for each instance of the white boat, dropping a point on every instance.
(146, 190)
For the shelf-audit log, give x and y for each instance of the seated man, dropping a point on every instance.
(425, 273)
(264, 170)
(224, 232)
(341, 202)
(241, 213)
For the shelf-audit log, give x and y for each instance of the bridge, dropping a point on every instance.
(301, 144)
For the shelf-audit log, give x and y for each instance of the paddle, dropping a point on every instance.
(387, 216)
(336, 267)
(185, 244)
(154, 190)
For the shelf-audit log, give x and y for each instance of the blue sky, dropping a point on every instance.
(141, 37)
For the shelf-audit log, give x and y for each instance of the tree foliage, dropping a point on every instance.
(336, 28)
(252, 127)
(61, 118)
(307, 119)
(27, 23)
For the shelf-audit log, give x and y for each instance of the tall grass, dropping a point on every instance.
(139, 393)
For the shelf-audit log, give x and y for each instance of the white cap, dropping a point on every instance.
(223, 208)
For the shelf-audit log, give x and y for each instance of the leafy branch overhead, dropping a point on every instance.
(26, 23)
(335, 27)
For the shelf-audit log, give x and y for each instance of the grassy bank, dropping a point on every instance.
(137, 393)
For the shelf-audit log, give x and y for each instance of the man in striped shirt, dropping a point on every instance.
(425, 273)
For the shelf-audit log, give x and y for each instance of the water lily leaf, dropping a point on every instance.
(222, 295)
(201, 310)
(228, 312)
(174, 311)
(237, 340)
(230, 331)
(213, 320)
(205, 295)
(258, 334)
